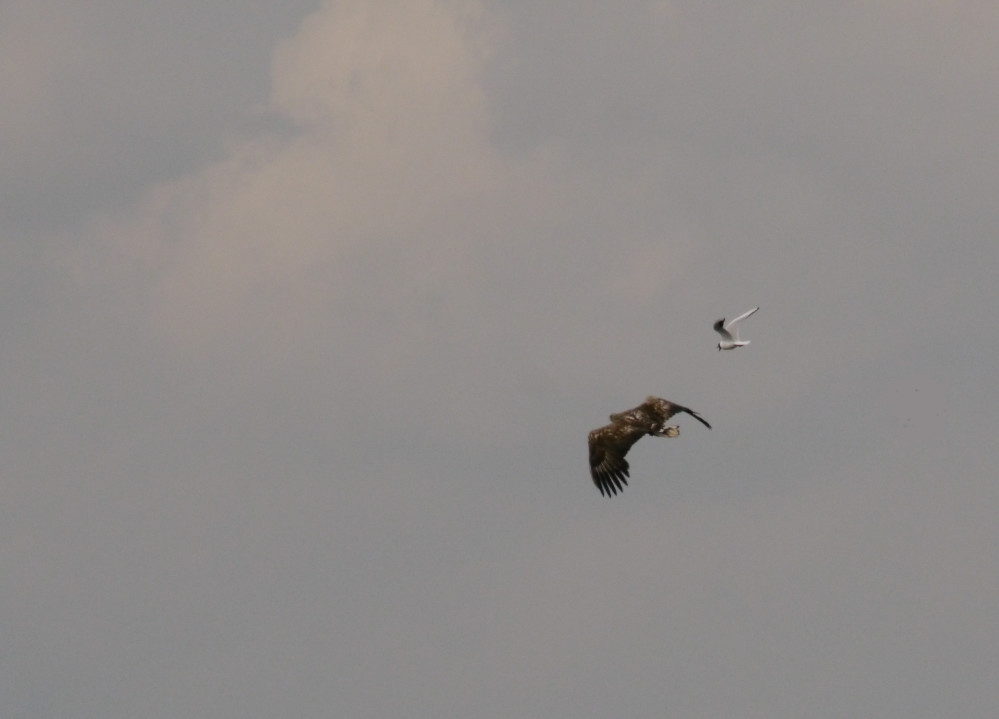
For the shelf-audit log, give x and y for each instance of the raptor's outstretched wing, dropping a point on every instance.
(608, 446)
(666, 409)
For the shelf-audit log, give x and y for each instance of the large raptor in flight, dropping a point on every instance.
(609, 445)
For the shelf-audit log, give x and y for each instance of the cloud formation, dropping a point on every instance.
(386, 137)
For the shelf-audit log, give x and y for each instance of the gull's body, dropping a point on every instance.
(609, 444)
(728, 341)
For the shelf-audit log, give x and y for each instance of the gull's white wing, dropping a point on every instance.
(741, 317)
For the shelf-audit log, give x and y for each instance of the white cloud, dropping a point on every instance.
(331, 222)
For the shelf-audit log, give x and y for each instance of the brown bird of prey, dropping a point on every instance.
(609, 444)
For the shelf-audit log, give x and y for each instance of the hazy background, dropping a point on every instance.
(308, 308)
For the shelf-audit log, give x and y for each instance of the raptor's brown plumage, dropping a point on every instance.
(609, 445)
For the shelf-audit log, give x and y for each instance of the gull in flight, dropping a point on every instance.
(728, 342)
(609, 444)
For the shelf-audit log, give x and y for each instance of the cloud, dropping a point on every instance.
(389, 135)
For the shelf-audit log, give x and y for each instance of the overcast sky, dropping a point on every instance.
(308, 307)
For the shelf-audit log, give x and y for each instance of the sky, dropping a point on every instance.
(308, 308)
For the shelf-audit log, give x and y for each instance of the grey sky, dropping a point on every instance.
(309, 307)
